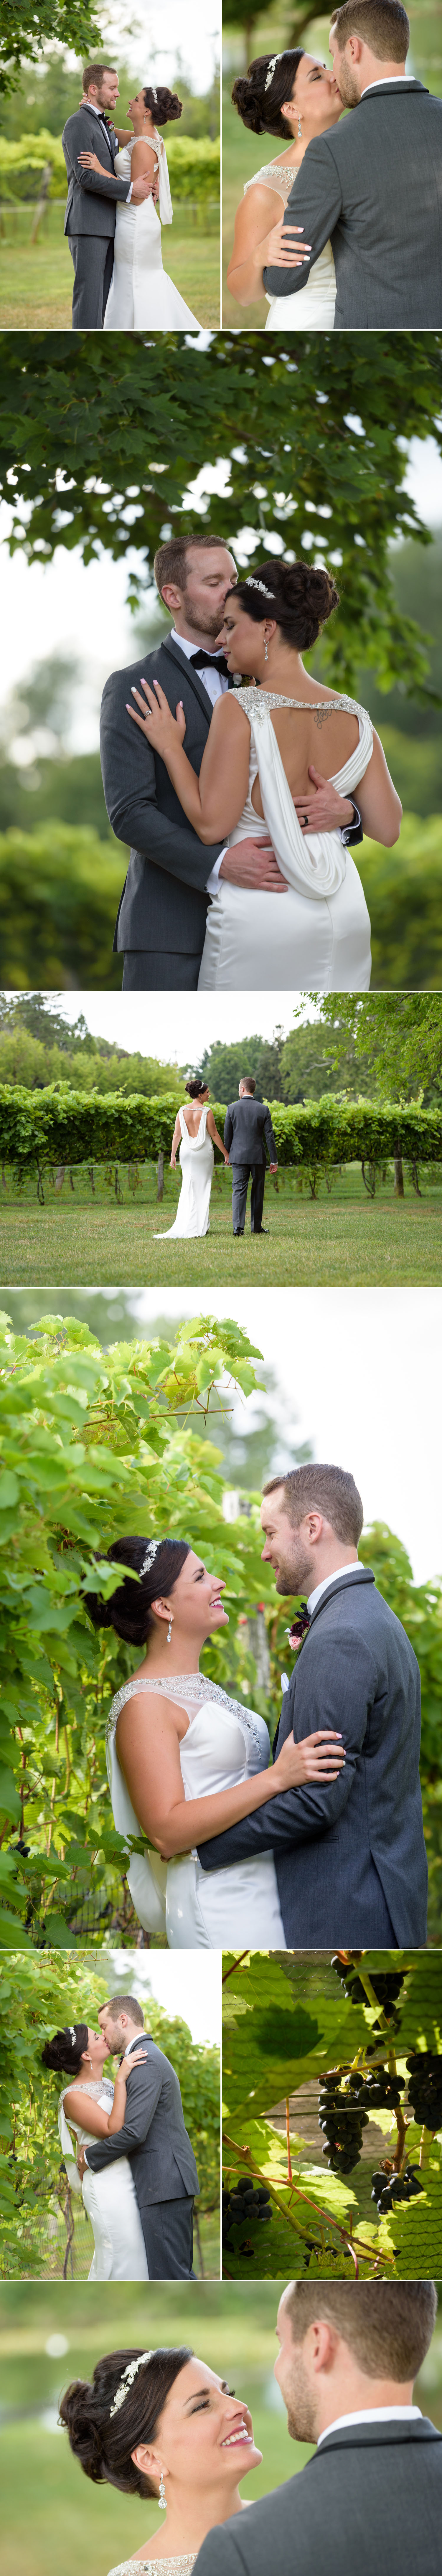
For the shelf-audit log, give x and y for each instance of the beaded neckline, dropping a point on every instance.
(256, 702)
(183, 1686)
(154, 2567)
(282, 170)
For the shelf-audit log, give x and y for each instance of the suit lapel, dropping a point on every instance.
(103, 131)
(365, 1577)
(187, 673)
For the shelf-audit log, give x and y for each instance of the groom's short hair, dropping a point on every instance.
(170, 561)
(381, 24)
(124, 2003)
(388, 2325)
(248, 1081)
(330, 1490)
(95, 72)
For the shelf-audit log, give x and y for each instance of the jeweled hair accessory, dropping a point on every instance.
(125, 2383)
(72, 2034)
(151, 1551)
(250, 584)
(276, 58)
(154, 94)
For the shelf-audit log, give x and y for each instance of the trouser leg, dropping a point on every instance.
(90, 257)
(168, 2231)
(240, 1176)
(163, 971)
(107, 279)
(257, 1197)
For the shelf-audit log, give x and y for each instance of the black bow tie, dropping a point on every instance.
(210, 662)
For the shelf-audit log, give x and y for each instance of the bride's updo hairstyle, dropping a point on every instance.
(164, 105)
(63, 2054)
(103, 2441)
(260, 101)
(129, 1610)
(298, 595)
(196, 1085)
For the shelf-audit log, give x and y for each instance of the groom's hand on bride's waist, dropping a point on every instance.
(324, 810)
(142, 187)
(80, 2162)
(252, 864)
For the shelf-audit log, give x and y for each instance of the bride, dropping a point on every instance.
(196, 1128)
(184, 1760)
(93, 2107)
(163, 2425)
(293, 96)
(258, 773)
(141, 294)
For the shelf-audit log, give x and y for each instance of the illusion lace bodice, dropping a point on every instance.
(187, 1688)
(320, 289)
(101, 2091)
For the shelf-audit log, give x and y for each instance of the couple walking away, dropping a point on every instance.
(115, 180)
(324, 1844)
(247, 1123)
(135, 2164)
(163, 2425)
(259, 803)
(341, 230)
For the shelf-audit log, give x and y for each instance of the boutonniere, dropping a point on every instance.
(296, 1637)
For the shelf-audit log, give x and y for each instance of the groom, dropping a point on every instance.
(91, 201)
(371, 2495)
(373, 183)
(157, 2144)
(350, 1854)
(247, 1122)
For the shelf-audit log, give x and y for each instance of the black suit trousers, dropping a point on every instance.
(168, 2236)
(240, 1177)
(93, 259)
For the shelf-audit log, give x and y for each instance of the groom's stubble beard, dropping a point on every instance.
(294, 1574)
(347, 84)
(205, 620)
(301, 2414)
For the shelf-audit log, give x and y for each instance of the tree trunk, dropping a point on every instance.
(42, 200)
(160, 1186)
(59, 1176)
(398, 1177)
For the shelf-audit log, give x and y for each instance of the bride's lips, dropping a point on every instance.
(241, 2435)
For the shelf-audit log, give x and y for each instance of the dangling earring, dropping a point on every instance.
(168, 1638)
(265, 650)
(162, 2497)
(299, 129)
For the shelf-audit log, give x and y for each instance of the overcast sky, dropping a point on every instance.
(161, 40)
(54, 607)
(185, 1982)
(142, 1026)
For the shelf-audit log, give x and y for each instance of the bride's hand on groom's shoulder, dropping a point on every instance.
(161, 729)
(285, 248)
(319, 1757)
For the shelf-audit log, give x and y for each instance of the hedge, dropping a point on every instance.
(63, 1126)
(194, 163)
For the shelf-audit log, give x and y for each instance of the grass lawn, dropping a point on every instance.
(36, 281)
(343, 1240)
(39, 2257)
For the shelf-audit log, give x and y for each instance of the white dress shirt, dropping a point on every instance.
(372, 2415)
(216, 686)
(395, 82)
(99, 111)
(337, 1577)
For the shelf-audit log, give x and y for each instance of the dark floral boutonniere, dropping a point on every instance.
(296, 1636)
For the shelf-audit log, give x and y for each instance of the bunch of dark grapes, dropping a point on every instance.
(425, 2087)
(388, 2188)
(343, 2119)
(243, 2206)
(385, 1986)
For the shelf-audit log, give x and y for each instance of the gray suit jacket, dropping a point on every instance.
(154, 2135)
(247, 1122)
(371, 2499)
(350, 1855)
(164, 900)
(373, 185)
(91, 202)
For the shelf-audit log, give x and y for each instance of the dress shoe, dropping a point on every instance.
(238, 1229)
(260, 1229)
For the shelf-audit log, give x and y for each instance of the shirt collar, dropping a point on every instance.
(341, 1571)
(372, 2415)
(134, 2043)
(186, 647)
(395, 82)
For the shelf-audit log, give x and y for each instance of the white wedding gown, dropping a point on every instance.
(196, 1161)
(316, 937)
(109, 2197)
(312, 308)
(155, 2566)
(201, 1909)
(141, 295)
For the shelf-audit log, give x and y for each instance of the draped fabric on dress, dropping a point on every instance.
(109, 2198)
(314, 309)
(224, 1744)
(196, 1162)
(141, 295)
(316, 937)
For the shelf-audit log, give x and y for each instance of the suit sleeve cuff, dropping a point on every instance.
(351, 832)
(129, 193)
(212, 886)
